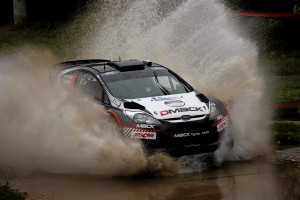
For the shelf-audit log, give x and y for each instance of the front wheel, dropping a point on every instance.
(225, 149)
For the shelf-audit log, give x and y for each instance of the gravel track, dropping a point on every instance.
(287, 156)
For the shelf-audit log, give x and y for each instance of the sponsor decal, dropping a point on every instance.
(202, 133)
(148, 136)
(117, 102)
(188, 134)
(179, 135)
(223, 124)
(166, 98)
(144, 126)
(175, 103)
(177, 110)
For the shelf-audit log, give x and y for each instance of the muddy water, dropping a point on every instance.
(257, 180)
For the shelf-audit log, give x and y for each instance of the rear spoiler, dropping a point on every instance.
(76, 63)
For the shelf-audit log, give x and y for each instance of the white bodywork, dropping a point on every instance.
(174, 106)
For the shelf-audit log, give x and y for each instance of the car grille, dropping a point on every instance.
(196, 117)
(186, 134)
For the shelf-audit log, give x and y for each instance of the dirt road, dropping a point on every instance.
(259, 179)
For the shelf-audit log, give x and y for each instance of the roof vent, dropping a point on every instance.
(127, 65)
(147, 62)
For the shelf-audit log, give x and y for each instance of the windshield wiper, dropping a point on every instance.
(163, 89)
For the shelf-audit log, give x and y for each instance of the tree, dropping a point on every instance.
(20, 12)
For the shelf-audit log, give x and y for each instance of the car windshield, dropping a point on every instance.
(143, 83)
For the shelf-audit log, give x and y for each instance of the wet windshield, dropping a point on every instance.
(143, 83)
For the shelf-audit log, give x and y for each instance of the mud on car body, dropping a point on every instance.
(151, 103)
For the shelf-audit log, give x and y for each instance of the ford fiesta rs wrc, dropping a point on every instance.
(153, 104)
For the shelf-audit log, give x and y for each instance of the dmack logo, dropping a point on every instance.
(177, 110)
(144, 126)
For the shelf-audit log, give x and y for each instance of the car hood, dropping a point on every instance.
(173, 106)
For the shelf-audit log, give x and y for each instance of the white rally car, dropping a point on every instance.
(153, 104)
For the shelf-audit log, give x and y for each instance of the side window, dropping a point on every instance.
(69, 79)
(89, 85)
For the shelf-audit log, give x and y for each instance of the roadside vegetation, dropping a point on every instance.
(285, 133)
(7, 193)
(44, 36)
(282, 72)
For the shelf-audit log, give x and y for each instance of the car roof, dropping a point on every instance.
(123, 66)
(102, 65)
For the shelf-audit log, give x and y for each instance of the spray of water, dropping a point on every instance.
(198, 40)
(59, 131)
(45, 129)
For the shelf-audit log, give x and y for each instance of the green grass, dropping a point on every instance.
(282, 74)
(7, 193)
(48, 36)
(286, 89)
(281, 64)
(285, 133)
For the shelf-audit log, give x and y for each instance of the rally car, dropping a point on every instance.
(151, 103)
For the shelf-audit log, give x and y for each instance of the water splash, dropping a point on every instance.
(199, 40)
(194, 38)
(59, 131)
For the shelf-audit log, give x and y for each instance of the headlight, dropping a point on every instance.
(142, 118)
(213, 114)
